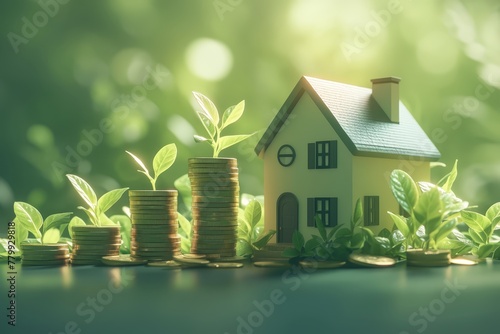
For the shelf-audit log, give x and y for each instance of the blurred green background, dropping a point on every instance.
(101, 77)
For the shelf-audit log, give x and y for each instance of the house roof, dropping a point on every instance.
(359, 121)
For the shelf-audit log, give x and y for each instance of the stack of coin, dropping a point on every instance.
(45, 254)
(154, 225)
(431, 258)
(215, 201)
(91, 243)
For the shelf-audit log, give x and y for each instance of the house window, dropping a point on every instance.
(286, 155)
(371, 210)
(324, 207)
(322, 154)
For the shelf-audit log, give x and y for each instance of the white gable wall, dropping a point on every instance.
(306, 124)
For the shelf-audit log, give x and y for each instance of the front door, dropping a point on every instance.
(288, 217)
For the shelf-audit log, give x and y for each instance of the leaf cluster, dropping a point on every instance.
(214, 124)
(97, 207)
(162, 161)
(29, 220)
(432, 210)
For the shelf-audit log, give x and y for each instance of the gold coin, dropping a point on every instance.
(225, 265)
(153, 193)
(229, 259)
(371, 261)
(193, 256)
(122, 260)
(271, 264)
(182, 259)
(321, 264)
(165, 264)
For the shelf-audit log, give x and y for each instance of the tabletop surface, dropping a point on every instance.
(401, 299)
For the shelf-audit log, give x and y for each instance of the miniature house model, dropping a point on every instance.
(331, 144)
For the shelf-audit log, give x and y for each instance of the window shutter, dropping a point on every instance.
(366, 211)
(334, 211)
(311, 155)
(310, 212)
(333, 154)
(375, 210)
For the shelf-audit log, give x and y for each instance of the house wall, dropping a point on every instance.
(306, 124)
(371, 178)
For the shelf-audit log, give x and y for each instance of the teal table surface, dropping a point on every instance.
(88, 299)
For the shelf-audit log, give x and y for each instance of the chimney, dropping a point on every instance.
(386, 92)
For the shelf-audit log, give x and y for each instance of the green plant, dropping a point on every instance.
(432, 210)
(335, 244)
(479, 239)
(214, 124)
(48, 230)
(162, 161)
(185, 233)
(386, 243)
(251, 234)
(97, 208)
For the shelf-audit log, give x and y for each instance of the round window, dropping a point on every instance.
(286, 155)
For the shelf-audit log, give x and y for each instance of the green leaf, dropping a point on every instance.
(357, 217)
(404, 190)
(56, 219)
(51, 236)
(183, 186)
(447, 181)
(321, 228)
(200, 139)
(385, 233)
(400, 223)
(232, 114)
(208, 108)
(310, 245)
(443, 231)
(83, 189)
(493, 213)
(164, 159)
(184, 224)
(228, 141)
(264, 239)
(357, 241)
(62, 228)
(105, 221)
(298, 240)
(397, 237)
(332, 232)
(428, 210)
(28, 216)
(475, 221)
(75, 221)
(140, 163)
(435, 164)
(243, 248)
(485, 250)
(21, 232)
(109, 199)
(91, 214)
(478, 237)
(462, 238)
(208, 125)
(253, 213)
(125, 227)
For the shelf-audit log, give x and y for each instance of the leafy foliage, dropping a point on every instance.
(96, 210)
(162, 161)
(29, 220)
(214, 124)
(432, 210)
(251, 235)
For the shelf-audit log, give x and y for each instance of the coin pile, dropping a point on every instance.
(215, 201)
(154, 224)
(91, 243)
(434, 258)
(45, 254)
